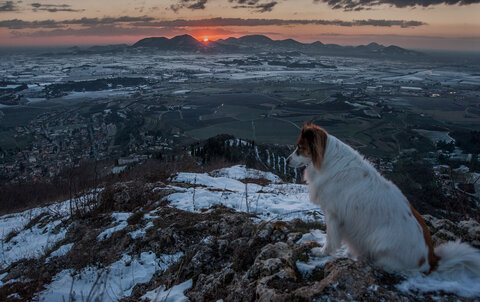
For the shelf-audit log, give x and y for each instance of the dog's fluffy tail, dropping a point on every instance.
(458, 260)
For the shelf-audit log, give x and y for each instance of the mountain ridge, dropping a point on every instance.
(252, 43)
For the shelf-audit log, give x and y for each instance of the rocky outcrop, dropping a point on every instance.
(228, 255)
(444, 230)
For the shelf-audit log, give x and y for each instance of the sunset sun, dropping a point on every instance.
(205, 39)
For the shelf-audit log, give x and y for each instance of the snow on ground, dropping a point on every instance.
(141, 232)
(192, 192)
(110, 284)
(174, 294)
(119, 224)
(17, 221)
(31, 242)
(417, 283)
(61, 251)
(1, 278)
(283, 201)
(97, 94)
(435, 136)
(185, 91)
(319, 236)
(241, 172)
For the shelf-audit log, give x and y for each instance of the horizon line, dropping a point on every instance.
(201, 39)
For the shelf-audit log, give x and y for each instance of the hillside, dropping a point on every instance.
(235, 234)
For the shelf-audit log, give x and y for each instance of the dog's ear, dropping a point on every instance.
(317, 143)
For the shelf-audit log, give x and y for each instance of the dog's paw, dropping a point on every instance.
(319, 252)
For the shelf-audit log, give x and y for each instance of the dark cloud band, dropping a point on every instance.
(358, 5)
(53, 8)
(212, 22)
(20, 24)
(347, 5)
(218, 22)
(259, 6)
(8, 6)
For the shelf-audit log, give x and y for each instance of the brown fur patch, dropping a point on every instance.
(312, 143)
(421, 262)
(432, 258)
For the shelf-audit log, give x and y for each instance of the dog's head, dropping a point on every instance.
(311, 146)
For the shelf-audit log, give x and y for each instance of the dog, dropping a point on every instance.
(369, 214)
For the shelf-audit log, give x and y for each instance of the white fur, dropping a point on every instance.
(371, 215)
(457, 260)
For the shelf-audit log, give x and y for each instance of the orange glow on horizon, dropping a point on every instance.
(205, 39)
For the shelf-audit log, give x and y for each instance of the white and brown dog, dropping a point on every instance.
(369, 214)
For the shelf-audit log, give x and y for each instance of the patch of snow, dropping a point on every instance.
(17, 221)
(319, 236)
(287, 201)
(175, 294)
(141, 232)
(185, 91)
(118, 169)
(200, 179)
(1, 278)
(107, 284)
(436, 136)
(237, 142)
(241, 172)
(32, 242)
(35, 100)
(9, 87)
(120, 224)
(61, 251)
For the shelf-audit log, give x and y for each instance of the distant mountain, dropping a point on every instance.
(179, 43)
(261, 43)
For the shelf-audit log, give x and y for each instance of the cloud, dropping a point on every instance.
(8, 6)
(100, 30)
(358, 5)
(220, 22)
(149, 26)
(53, 8)
(20, 24)
(266, 7)
(262, 6)
(211, 22)
(191, 4)
(255, 5)
(108, 31)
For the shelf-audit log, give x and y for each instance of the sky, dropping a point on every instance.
(414, 24)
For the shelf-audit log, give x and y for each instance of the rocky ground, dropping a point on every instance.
(132, 245)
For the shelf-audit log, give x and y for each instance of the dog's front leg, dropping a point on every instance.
(333, 238)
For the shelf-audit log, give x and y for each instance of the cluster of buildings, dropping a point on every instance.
(54, 141)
